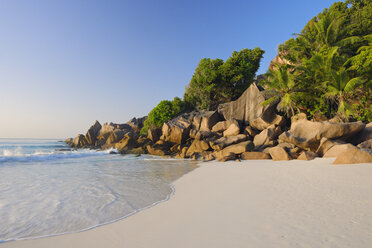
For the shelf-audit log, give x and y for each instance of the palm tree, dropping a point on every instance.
(282, 82)
(325, 31)
(339, 88)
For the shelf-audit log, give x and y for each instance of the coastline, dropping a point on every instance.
(261, 203)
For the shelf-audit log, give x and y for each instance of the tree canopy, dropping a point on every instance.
(216, 81)
(332, 62)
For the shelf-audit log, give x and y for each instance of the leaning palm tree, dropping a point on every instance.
(339, 89)
(282, 82)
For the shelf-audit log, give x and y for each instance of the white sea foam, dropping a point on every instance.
(12, 156)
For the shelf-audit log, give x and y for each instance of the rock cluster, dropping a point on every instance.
(242, 129)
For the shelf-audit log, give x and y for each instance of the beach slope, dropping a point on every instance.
(247, 204)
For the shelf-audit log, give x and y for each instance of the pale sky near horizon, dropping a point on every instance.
(65, 64)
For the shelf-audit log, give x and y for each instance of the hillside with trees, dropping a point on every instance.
(328, 65)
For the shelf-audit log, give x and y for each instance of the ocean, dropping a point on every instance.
(48, 189)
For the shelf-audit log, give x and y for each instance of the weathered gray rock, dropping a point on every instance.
(223, 142)
(366, 144)
(196, 121)
(254, 155)
(70, 142)
(115, 136)
(267, 120)
(232, 130)
(126, 144)
(197, 146)
(208, 120)
(176, 130)
(80, 141)
(279, 60)
(353, 156)
(154, 134)
(307, 155)
(136, 123)
(365, 134)
(266, 136)
(298, 117)
(286, 146)
(101, 139)
(93, 132)
(307, 134)
(248, 106)
(221, 126)
(226, 157)
(326, 144)
(235, 149)
(335, 150)
(155, 151)
(250, 131)
(278, 153)
(110, 127)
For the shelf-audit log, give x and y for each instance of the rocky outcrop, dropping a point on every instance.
(307, 134)
(114, 137)
(93, 133)
(110, 127)
(136, 123)
(263, 122)
(254, 155)
(226, 157)
(80, 141)
(366, 145)
(307, 155)
(197, 146)
(154, 134)
(126, 144)
(326, 144)
(208, 120)
(221, 126)
(70, 142)
(232, 130)
(176, 130)
(223, 142)
(365, 134)
(335, 150)
(279, 60)
(250, 131)
(235, 149)
(353, 156)
(267, 137)
(155, 151)
(248, 106)
(278, 153)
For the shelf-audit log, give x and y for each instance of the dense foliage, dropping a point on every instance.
(329, 64)
(163, 112)
(216, 81)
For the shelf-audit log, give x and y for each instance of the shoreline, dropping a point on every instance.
(236, 203)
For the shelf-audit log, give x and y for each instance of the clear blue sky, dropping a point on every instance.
(64, 64)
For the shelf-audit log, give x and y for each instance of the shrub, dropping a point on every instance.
(163, 112)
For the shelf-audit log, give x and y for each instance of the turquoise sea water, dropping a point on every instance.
(46, 189)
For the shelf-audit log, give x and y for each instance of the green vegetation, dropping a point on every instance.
(163, 112)
(328, 71)
(213, 82)
(216, 81)
(330, 64)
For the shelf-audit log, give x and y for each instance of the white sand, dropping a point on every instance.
(248, 204)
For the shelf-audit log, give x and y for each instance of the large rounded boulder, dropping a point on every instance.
(307, 134)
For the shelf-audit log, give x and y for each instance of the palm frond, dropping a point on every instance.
(353, 83)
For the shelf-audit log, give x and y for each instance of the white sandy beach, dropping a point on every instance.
(247, 204)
